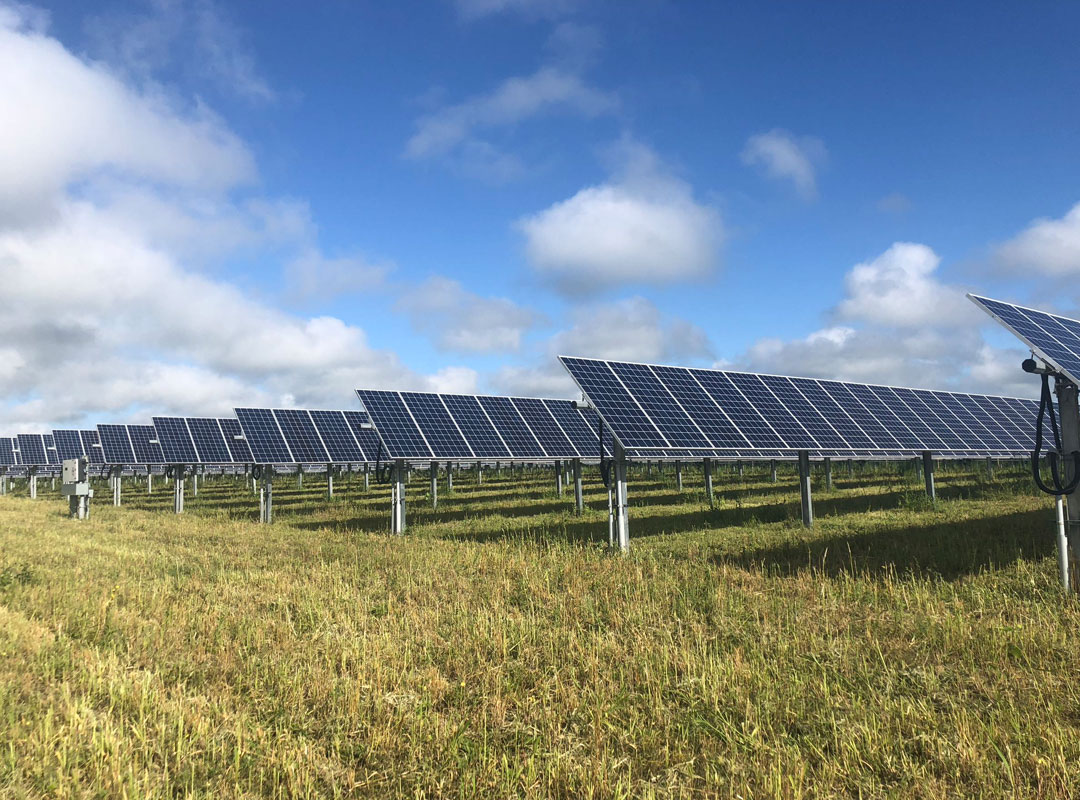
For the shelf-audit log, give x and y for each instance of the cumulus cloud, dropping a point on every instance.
(899, 288)
(784, 156)
(461, 321)
(641, 226)
(103, 187)
(314, 276)
(1047, 246)
(898, 324)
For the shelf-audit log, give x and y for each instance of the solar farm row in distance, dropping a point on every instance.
(465, 427)
(201, 440)
(302, 436)
(1053, 338)
(663, 411)
(130, 444)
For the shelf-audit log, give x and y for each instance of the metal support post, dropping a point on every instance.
(1062, 543)
(622, 521)
(678, 476)
(299, 477)
(266, 496)
(989, 468)
(3, 483)
(772, 469)
(397, 499)
(804, 489)
(178, 490)
(149, 481)
(579, 495)
(434, 485)
(828, 474)
(367, 479)
(449, 478)
(739, 468)
(194, 482)
(1069, 414)
(329, 481)
(558, 478)
(706, 467)
(850, 468)
(928, 474)
(33, 484)
(116, 487)
(479, 474)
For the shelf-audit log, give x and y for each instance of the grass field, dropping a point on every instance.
(898, 649)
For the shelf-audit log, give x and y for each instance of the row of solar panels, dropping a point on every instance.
(257, 435)
(675, 412)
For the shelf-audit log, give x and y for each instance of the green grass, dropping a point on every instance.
(898, 649)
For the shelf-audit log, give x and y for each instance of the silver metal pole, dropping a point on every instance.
(772, 469)
(434, 485)
(678, 476)
(928, 474)
(804, 489)
(1062, 543)
(579, 494)
(397, 496)
(1069, 412)
(828, 474)
(706, 467)
(558, 478)
(622, 521)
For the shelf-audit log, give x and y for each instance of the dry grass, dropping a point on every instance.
(898, 649)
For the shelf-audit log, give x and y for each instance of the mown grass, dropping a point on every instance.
(897, 649)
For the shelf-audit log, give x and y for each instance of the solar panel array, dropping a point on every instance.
(466, 427)
(301, 436)
(7, 452)
(673, 412)
(129, 444)
(92, 447)
(1053, 338)
(31, 447)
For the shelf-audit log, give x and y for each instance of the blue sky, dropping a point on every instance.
(213, 204)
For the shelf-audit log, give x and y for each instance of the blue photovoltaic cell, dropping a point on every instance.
(144, 443)
(32, 449)
(738, 408)
(263, 436)
(803, 411)
(7, 452)
(175, 440)
(68, 444)
(710, 418)
(340, 443)
(301, 436)
(91, 447)
(394, 424)
(781, 420)
(604, 389)
(438, 428)
(50, 449)
(367, 437)
(544, 427)
(234, 439)
(659, 404)
(115, 444)
(1055, 338)
(583, 434)
(511, 427)
(475, 426)
(777, 414)
(209, 440)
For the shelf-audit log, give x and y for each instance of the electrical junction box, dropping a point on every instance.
(74, 478)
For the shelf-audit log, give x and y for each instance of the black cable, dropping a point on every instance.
(1046, 407)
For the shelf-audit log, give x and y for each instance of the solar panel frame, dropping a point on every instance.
(7, 452)
(92, 446)
(337, 437)
(234, 439)
(50, 449)
(209, 440)
(301, 435)
(397, 424)
(366, 437)
(1053, 338)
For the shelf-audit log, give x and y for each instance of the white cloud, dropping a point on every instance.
(1047, 246)
(898, 324)
(641, 226)
(784, 156)
(461, 321)
(899, 288)
(313, 276)
(101, 315)
(451, 132)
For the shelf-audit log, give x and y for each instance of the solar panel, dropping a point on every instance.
(658, 411)
(31, 449)
(145, 445)
(174, 437)
(68, 444)
(92, 447)
(7, 452)
(115, 444)
(366, 437)
(208, 439)
(234, 438)
(263, 436)
(1053, 338)
(334, 430)
(300, 435)
(479, 427)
